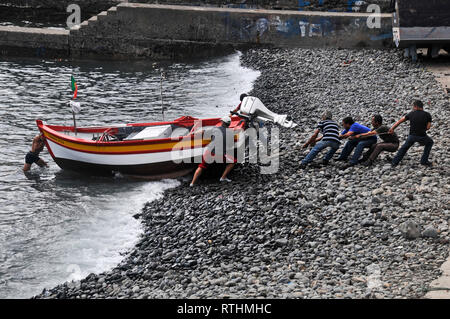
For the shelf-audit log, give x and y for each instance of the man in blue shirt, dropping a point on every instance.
(351, 128)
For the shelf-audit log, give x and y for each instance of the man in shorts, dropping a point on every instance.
(221, 132)
(32, 156)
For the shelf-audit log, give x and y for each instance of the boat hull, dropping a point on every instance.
(157, 164)
(148, 171)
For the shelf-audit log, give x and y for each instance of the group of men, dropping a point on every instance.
(360, 137)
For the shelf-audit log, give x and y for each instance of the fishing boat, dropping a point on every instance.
(155, 150)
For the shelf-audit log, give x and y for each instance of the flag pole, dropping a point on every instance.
(72, 103)
(161, 93)
(74, 123)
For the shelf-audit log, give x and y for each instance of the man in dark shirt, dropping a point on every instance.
(390, 142)
(420, 123)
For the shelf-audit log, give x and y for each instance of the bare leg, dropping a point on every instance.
(197, 174)
(41, 163)
(227, 170)
(26, 167)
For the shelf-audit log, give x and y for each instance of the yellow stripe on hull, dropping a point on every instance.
(185, 143)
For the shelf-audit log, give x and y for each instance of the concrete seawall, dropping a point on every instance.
(162, 31)
(98, 5)
(18, 41)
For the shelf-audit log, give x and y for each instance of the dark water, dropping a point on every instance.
(57, 226)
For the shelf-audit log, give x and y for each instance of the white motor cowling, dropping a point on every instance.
(252, 106)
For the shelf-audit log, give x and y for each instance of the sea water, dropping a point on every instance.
(55, 225)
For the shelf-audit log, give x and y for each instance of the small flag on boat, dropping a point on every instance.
(74, 88)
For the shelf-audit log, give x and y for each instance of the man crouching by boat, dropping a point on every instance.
(230, 160)
(33, 155)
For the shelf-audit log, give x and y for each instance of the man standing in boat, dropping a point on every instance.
(33, 155)
(215, 149)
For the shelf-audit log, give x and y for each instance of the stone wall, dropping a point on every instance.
(173, 32)
(89, 5)
(47, 13)
(44, 13)
(99, 5)
(132, 29)
(18, 41)
(321, 5)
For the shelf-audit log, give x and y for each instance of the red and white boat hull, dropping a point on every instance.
(156, 158)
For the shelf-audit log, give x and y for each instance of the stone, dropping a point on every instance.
(367, 223)
(281, 242)
(430, 231)
(377, 191)
(410, 230)
(255, 269)
(340, 198)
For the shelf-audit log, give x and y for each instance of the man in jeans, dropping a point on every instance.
(389, 143)
(329, 139)
(352, 129)
(420, 123)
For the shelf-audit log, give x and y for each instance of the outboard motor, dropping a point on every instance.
(253, 107)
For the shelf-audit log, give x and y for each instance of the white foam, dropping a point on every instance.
(109, 231)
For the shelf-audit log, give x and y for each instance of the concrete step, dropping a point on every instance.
(75, 28)
(122, 6)
(75, 31)
(112, 10)
(102, 16)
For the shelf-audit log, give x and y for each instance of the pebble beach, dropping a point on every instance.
(319, 232)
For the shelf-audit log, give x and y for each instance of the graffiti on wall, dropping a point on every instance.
(304, 27)
(253, 29)
(249, 29)
(246, 29)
